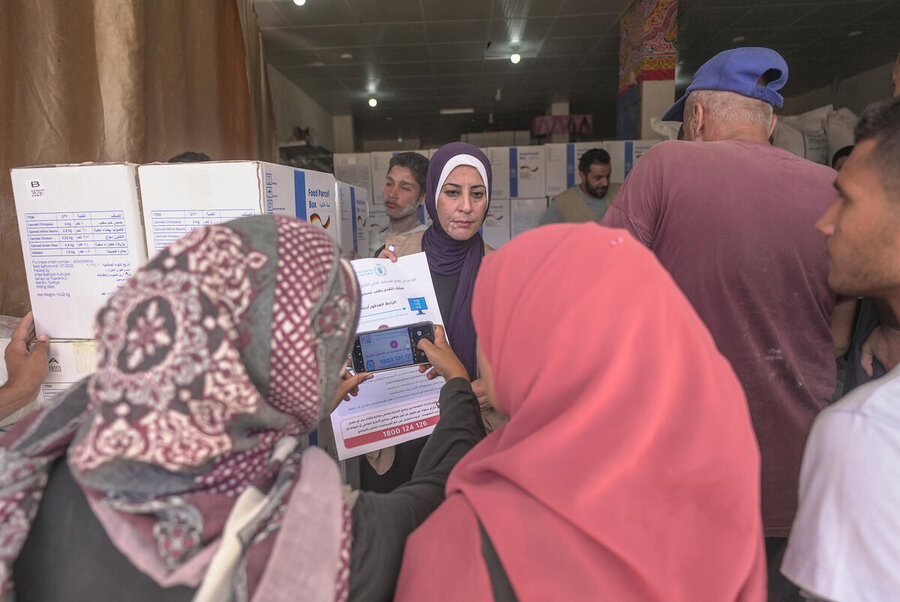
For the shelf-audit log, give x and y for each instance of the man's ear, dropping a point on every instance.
(698, 117)
(772, 127)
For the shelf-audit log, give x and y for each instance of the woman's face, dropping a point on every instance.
(462, 202)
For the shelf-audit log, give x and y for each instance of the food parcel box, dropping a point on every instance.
(495, 230)
(378, 226)
(81, 233)
(354, 168)
(347, 197)
(69, 362)
(178, 197)
(624, 154)
(525, 214)
(362, 228)
(518, 172)
(562, 164)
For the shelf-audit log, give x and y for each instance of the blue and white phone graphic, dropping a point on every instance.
(386, 348)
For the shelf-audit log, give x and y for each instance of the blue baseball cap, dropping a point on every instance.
(738, 70)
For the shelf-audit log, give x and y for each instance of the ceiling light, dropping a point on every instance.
(299, 2)
(373, 102)
(465, 111)
(737, 39)
(346, 56)
(498, 94)
(399, 138)
(515, 57)
(854, 33)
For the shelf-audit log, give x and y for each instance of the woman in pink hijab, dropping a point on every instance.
(628, 469)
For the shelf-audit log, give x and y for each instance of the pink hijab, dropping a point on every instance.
(628, 469)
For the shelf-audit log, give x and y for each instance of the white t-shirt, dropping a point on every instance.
(845, 541)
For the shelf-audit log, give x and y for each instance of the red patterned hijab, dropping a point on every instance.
(213, 360)
(628, 470)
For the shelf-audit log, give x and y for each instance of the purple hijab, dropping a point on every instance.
(449, 256)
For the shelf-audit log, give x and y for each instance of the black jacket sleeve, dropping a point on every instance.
(382, 521)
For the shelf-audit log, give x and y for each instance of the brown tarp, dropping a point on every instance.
(124, 80)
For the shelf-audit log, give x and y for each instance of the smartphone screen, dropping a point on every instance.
(391, 347)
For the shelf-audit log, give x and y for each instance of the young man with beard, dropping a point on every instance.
(845, 541)
(587, 201)
(403, 194)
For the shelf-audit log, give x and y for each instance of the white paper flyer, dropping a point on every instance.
(396, 405)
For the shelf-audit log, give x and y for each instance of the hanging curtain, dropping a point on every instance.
(124, 80)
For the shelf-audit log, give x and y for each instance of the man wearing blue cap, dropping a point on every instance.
(732, 218)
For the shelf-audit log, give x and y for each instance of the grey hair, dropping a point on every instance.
(731, 107)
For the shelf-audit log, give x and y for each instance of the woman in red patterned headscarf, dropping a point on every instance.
(176, 471)
(628, 470)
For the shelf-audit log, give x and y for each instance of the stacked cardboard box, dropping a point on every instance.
(86, 228)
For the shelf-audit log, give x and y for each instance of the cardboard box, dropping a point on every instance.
(362, 228)
(378, 225)
(347, 197)
(69, 362)
(525, 214)
(81, 233)
(518, 172)
(178, 197)
(496, 228)
(634, 149)
(624, 154)
(380, 166)
(355, 169)
(562, 164)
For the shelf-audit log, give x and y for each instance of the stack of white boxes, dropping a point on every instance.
(81, 233)
(518, 192)
(178, 197)
(86, 228)
(525, 178)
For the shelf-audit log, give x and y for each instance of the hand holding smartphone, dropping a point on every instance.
(391, 348)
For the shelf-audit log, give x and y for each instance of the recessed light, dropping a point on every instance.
(346, 56)
(854, 33)
(373, 102)
(299, 2)
(515, 57)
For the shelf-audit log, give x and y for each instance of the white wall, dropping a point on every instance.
(854, 93)
(293, 107)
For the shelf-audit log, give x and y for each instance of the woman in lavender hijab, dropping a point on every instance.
(457, 198)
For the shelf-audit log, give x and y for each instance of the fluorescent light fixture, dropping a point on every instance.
(373, 102)
(515, 57)
(465, 111)
(854, 33)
